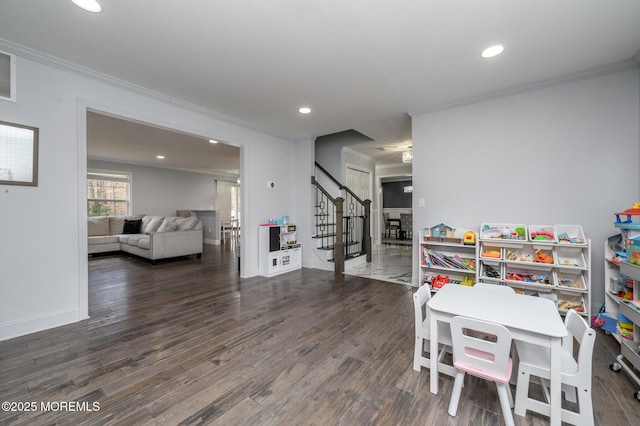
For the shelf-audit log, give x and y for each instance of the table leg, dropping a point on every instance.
(433, 353)
(555, 382)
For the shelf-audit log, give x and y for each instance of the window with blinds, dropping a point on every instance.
(108, 193)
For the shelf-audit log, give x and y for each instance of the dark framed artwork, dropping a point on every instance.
(18, 154)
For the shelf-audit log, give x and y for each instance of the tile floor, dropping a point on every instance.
(389, 262)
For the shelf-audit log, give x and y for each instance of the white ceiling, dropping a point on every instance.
(359, 64)
(114, 139)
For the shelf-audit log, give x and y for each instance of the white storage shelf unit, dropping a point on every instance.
(452, 259)
(551, 261)
(630, 349)
(613, 282)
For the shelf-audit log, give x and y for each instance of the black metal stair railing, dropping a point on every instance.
(342, 224)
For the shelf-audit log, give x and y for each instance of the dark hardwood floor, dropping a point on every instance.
(189, 342)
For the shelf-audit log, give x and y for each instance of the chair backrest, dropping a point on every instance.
(481, 348)
(386, 217)
(579, 330)
(406, 221)
(495, 287)
(420, 299)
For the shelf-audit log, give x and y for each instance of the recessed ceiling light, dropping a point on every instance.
(88, 5)
(304, 110)
(213, 141)
(492, 51)
(160, 157)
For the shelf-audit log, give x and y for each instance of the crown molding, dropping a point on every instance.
(594, 72)
(45, 59)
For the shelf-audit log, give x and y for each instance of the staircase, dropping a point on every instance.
(342, 224)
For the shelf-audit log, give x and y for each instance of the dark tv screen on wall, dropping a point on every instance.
(394, 197)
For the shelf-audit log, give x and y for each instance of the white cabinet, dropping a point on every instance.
(278, 250)
(554, 268)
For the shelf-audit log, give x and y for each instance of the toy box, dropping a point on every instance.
(633, 251)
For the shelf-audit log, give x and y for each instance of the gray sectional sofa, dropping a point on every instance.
(151, 237)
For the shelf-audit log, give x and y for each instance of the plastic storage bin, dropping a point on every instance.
(503, 231)
(542, 234)
(570, 234)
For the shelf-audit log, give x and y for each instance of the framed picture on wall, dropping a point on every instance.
(18, 154)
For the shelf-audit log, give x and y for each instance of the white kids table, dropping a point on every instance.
(529, 319)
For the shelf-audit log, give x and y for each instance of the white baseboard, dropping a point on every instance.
(11, 329)
(211, 242)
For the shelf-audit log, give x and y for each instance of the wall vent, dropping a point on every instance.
(7, 77)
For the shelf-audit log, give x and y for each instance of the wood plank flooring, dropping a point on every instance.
(189, 342)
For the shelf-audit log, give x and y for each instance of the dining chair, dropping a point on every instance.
(226, 229)
(576, 373)
(483, 357)
(406, 225)
(388, 227)
(423, 333)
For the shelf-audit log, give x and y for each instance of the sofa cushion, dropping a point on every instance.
(152, 224)
(144, 242)
(103, 239)
(133, 239)
(98, 225)
(168, 224)
(131, 226)
(186, 223)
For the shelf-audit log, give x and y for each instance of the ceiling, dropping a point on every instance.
(115, 139)
(358, 64)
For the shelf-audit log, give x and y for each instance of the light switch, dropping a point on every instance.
(421, 202)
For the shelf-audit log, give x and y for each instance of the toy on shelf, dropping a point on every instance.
(439, 281)
(469, 238)
(542, 257)
(491, 253)
(529, 278)
(629, 213)
(467, 280)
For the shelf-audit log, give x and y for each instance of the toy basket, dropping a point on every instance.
(570, 234)
(503, 231)
(542, 234)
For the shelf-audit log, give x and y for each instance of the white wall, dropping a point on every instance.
(160, 191)
(43, 255)
(566, 154)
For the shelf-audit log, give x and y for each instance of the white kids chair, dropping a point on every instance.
(423, 333)
(482, 349)
(576, 373)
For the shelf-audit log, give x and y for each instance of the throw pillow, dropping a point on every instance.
(152, 225)
(169, 227)
(98, 226)
(187, 224)
(131, 226)
(167, 222)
